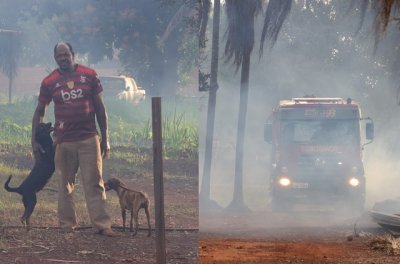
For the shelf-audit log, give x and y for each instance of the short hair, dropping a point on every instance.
(65, 43)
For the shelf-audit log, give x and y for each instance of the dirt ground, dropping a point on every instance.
(264, 237)
(85, 246)
(45, 243)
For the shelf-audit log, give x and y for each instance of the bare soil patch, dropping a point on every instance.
(270, 238)
(85, 246)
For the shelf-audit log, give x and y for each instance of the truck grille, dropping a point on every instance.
(312, 165)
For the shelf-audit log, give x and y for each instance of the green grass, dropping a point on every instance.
(7, 169)
(129, 125)
(129, 157)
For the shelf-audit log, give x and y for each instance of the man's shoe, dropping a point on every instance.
(107, 232)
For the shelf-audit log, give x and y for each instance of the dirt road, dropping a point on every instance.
(265, 237)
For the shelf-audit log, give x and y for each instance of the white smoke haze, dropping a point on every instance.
(304, 61)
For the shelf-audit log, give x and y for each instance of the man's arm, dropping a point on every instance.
(37, 118)
(102, 120)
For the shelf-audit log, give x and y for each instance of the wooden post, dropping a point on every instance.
(158, 180)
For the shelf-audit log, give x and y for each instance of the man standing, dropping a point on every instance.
(77, 95)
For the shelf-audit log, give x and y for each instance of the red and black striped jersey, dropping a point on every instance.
(72, 94)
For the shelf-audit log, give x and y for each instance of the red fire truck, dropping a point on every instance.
(316, 158)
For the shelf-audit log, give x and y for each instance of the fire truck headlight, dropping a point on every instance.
(284, 181)
(354, 182)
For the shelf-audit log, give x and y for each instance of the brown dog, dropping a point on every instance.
(130, 200)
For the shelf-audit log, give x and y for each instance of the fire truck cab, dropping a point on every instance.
(316, 158)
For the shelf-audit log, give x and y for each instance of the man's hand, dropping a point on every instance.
(37, 151)
(101, 116)
(105, 148)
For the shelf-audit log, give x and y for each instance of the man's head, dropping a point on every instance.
(64, 56)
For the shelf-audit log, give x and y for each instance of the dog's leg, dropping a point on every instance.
(23, 217)
(123, 212)
(146, 209)
(29, 212)
(131, 223)
(28, 222)
(135, 216)
(29, 204)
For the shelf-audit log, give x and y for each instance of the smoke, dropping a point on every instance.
(311, 56)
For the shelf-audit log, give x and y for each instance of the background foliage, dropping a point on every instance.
(129, 31)
(129, 125)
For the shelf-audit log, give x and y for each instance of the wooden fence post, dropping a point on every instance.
(158, 180)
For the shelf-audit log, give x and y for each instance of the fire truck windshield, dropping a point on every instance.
(320, 132)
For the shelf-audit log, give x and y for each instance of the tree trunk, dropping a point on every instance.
(205, 201)
(237, 203)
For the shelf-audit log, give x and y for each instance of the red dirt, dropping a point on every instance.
(269, 238)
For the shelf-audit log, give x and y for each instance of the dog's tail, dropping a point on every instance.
(8, 188)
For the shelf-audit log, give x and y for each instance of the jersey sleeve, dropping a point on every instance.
(44, 94)
(97, 87)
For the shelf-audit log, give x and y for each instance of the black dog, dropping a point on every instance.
(40, 174)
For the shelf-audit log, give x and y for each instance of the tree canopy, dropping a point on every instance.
(127, 30)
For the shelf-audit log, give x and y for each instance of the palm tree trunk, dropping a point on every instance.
(206, 179)
(205, 201)
(237, 203)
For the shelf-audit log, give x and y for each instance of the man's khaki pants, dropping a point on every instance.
(86, 156)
